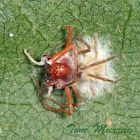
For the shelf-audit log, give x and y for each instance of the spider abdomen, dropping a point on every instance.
(60, 71)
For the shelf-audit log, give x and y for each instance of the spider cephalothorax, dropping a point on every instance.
(60, 73)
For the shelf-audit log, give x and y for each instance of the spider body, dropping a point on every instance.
(60, 73)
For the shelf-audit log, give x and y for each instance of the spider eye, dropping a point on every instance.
(48, 79)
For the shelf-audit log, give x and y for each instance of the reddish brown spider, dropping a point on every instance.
(62, 72)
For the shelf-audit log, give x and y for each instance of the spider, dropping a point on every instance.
(62, 71)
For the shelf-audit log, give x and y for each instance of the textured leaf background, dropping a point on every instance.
(39, 25)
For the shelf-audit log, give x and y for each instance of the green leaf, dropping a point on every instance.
(39, 25)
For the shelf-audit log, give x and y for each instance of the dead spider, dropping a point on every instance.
(63, 70)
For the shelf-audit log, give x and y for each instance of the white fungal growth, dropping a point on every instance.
(91, 86)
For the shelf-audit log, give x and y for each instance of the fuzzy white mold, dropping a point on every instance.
(89, 85)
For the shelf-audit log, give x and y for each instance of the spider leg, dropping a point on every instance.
(99, 62)
(50, 89)
(40, 94)
(80, 38)
(69, 98)
(103, 79)
(91, 88)
(95, 45)
(68, 42)
(77, 95)
(88, 46)
(62, 52)
(68, 94)
(60, 45)
(66, 105)
(41, 63)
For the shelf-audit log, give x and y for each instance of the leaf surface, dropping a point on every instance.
(39, 26)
